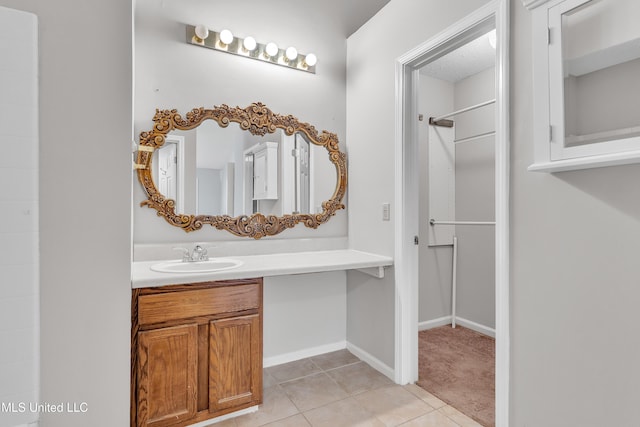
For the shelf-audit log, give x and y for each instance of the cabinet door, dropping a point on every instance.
(235, 362)
(167, 375)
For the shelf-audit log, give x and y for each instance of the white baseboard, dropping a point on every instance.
(446, 320)
(225, 417)
(315, 351)
(430, 324)
(302, 354)
(375, 363)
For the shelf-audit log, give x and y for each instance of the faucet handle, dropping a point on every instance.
(206, 251)
(199, 254)
(185, 253)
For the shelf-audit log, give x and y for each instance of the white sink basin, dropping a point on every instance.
(213, 264)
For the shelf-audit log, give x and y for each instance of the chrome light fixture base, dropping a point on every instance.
(260, 52)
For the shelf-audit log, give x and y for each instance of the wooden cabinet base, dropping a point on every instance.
(196, 352)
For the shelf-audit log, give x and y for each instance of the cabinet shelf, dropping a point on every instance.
(591, 138)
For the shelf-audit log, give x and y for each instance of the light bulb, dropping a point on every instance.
(202, 32)
(310, 59)
(249, 43)
(291, 53)
(226, 36)
(271, 49)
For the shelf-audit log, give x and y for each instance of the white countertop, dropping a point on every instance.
(267, 265)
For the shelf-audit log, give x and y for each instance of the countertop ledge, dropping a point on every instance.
(279, 264)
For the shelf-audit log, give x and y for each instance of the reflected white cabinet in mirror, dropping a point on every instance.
(586, 73)
(265, 170)
(248, 170)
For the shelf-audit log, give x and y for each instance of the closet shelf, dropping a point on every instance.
(434, 222)
(463, 110)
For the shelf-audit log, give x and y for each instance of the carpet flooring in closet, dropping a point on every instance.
(458, 366)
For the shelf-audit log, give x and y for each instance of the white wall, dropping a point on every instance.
(19, 231)
(434, 274)
(575, 240)
(209, 191)
(304, 315)
(475, 200)
(370, 132)
(85, 208)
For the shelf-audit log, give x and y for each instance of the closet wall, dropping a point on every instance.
(436, 98)
(474, 201)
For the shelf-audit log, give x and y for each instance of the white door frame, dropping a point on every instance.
(495, 13)
(180, 152)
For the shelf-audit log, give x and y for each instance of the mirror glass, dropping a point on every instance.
(601, 70)
(248, 170)
(212, 170)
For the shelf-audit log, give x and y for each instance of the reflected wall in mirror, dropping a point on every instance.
(249, 171)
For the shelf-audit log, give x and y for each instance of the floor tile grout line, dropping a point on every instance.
(340, 400)
(343, 366)
(315, 372)
(422, 415)
(299, 378)
(307, 419)
(303, 376)
(447, 405)
(339, 386)
(328, 403)
(284, 417)
(448, 417)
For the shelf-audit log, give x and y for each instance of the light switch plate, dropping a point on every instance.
(386, 207)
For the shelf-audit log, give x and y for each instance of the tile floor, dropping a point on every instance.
(338, 390)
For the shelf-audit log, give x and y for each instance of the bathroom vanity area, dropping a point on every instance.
(197, 337)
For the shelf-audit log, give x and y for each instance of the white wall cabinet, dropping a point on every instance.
(586, 84)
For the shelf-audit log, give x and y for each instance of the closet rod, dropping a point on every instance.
(464, 110)
(434, 222)
(474, 137)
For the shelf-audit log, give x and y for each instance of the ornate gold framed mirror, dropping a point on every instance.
(268, 175)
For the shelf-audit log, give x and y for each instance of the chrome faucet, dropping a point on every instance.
(199, 254)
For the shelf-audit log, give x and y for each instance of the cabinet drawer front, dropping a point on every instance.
(163, 307)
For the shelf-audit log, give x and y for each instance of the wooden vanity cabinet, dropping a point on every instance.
(196, 351)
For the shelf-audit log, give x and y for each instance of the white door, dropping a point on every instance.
(168, 171)
(302, 204)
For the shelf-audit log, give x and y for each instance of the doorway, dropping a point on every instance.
(456, 268)
(168, 170)
(493, 15)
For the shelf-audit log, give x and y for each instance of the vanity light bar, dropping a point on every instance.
(224, 41)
